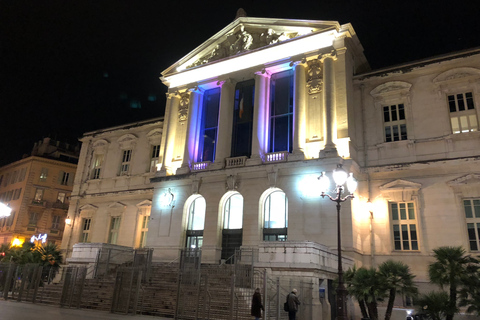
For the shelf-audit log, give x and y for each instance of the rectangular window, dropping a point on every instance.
(404, 225)
(17, 193)
(84, 236)
(144, 230)
(61, 197)
(209, 125)
(11, 218)
(126, 158)
(32, 218)
(44, 174)
(65, 177)
(114, 228)
(14, 177)
(38, 195)
(55, 222)
(281, 111)
(243, 119)
(463, 117)
(395, 123)
(154, 161)
(97, 166)
(22, 174)
(472, 215)
(7, 179)
(9, 195)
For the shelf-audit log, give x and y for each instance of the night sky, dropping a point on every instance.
(73, 66)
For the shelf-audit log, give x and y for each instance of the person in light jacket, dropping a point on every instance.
(257, 305)
(293, 304)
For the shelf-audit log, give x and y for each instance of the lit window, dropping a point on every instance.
(144, 231)
(232, 226)
(61, 197)
(281, 111)
(84, 236)
(209, 125)
(38, 195)
(395, 123)
(114, 229)
(275, 217)
(472, 215)
(243, 119)
(196, 223)
(155, 158)
(97, 166)
(462, 112)
(404, 225)
(126, 158)
(44, 174)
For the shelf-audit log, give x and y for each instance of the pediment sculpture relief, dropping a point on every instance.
(240, 41)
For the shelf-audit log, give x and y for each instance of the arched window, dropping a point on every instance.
(232, 232)
(196, 223)
(275, 216)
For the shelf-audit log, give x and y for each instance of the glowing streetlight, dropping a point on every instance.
(5, 210)
(340, 176)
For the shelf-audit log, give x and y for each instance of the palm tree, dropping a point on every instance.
(470, 293)
(450, 268)
(396, 276)
(434, 305)
(354, 291)
(366, 286)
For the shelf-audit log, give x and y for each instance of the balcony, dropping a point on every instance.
(42, 203)
(235, 162)
(273, 157)
(60, 205)
(200, 166)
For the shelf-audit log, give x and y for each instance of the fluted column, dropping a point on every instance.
(259, 134)
(225, 122)
(299, 106)
(191, 130)
(168, 137)
(329, 118)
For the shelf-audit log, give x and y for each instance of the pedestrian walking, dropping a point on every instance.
(293, 303)
(257, 305)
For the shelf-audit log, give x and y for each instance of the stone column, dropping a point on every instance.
(329, 118)
(191, 130)
(260, 122)
(299, 106)
(225, 122)
(168, 136)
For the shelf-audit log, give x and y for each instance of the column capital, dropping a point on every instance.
(331, 55)
(220, 83)
(301, 62)
(263, 73)
(196, 89)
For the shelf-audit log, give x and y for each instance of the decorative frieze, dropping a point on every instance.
(315, 76)
(183, 107)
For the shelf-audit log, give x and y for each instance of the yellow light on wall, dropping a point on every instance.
(17, 242)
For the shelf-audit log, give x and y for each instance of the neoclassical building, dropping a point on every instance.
(253, 117)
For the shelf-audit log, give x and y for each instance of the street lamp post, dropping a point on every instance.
(340, 176)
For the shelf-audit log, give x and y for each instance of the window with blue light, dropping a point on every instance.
(281, 111)
(275, 217)
(243, 119)
(209, 125)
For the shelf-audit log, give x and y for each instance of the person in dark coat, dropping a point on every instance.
(293, 304)
(257, 305)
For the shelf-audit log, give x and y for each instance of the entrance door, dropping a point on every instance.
(231, 240)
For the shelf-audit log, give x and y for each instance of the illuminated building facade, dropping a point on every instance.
(253, 117)
(37, 189)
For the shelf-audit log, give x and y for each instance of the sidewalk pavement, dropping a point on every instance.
(13, 310)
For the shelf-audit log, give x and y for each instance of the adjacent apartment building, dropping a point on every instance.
(253, 117)
(37, 189)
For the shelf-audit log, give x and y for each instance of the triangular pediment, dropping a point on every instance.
(401, 185)
(469, 179)
(247, 34)
(117, 205)
(144, 203)
(88, 207)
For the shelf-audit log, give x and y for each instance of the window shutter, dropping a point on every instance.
(71, 177)
(60, 176)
